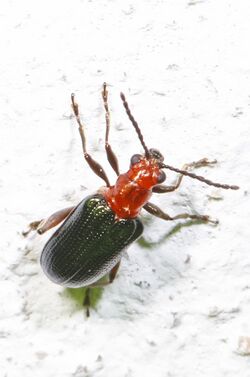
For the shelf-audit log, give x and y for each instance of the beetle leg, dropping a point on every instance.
(107, 279)
(86, 302)
(161, 189)
(32, 226)
(41, 226)
(113, 272)
(99, 284)
(112, 159)
(156, 211)
(94, 165)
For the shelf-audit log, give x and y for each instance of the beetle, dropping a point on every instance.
(89, 244)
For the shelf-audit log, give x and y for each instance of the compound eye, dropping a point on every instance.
(156, 154)
(135, 159)
(161, 177)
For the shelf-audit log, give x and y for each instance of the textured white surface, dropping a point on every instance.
(183, 306)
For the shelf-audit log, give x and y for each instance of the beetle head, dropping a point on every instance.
(156, 154)
(149, 166)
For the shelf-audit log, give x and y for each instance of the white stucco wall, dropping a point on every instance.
(182, 307)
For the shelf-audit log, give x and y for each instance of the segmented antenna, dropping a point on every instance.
(199, 177)
(135, 124)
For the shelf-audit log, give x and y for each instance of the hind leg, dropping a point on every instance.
(108, 279)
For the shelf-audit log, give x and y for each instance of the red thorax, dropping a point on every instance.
(133, 189)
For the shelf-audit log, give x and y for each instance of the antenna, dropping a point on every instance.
(199, 177)
(135, 124)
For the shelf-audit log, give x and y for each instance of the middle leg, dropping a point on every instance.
(42, 226)
(156, 211)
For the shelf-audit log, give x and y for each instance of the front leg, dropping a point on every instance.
(156, 211)
(161, 189)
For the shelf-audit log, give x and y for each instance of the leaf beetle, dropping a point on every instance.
(93, 236)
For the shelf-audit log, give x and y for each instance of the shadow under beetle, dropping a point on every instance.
(89, 245)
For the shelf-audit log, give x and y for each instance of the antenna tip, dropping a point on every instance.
(122, 96)
(234, 187)
(73, 98)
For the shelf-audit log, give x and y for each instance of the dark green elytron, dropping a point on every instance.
(88, 244)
